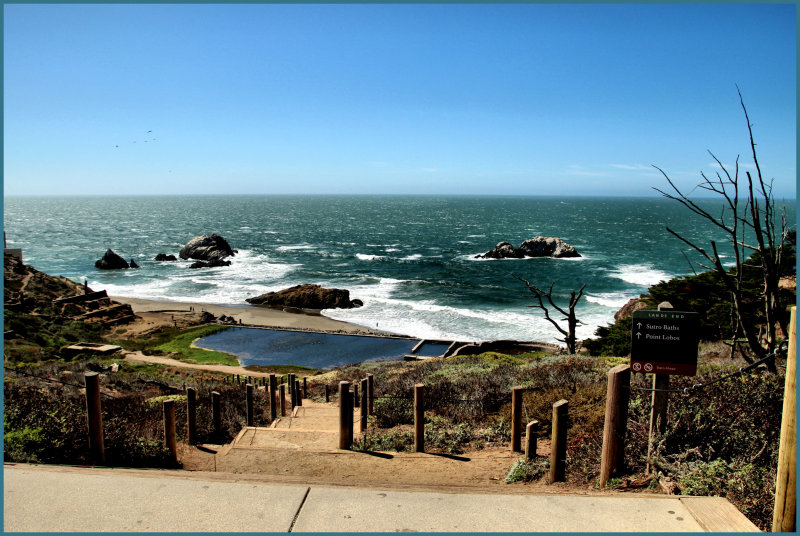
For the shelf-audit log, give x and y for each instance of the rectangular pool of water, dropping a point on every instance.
(264, 347)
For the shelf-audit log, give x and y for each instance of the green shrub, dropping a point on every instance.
(706, 479)
(523, 470)
(444, 436)
(396, 440)
(390, 412)
(157, 402)
(23, 445)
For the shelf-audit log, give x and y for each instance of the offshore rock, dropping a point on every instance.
(539, 246)
(547, 246)
(210, 247)
(503, 250)
(210, 264)
(307, 297)
(163, 257)
(111, 261)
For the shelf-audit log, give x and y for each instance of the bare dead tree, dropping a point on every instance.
(569, 314)
(744, 218)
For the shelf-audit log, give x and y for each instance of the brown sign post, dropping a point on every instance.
(663, 342)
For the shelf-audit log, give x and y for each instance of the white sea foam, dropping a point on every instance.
(414, 257)
(295, 247)
(248, 275)
(643, 275)
(610, 299)
(366, 257)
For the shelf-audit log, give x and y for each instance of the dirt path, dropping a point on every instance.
(303, 447)
(226, 369)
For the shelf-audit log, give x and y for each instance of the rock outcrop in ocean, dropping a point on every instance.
(111, 261)
(210, 247)
(307, 297)
(163, 257)
(538, 246)
(210, 264)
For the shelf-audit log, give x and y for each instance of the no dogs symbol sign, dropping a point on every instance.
(665, 342)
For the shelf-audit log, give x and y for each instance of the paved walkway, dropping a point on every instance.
(69, 499)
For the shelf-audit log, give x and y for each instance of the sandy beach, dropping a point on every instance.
(248, 315)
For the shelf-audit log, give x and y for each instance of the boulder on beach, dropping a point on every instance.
(307, 297)
(538, 246)
(210, 247)
(163, 257)
(111, 261)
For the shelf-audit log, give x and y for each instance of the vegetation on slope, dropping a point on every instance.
(721, 440)
(704, 293)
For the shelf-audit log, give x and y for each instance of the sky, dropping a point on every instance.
(507, 99)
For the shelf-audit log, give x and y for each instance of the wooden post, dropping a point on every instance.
(249, 404)
(305, 387)
(94, 418)
(191, 416)
(216, 416)
(419, 418)
(273, 393)
(371, 395)
(356, 398)
(516, 418)
(345, 416)
(784, 514)
(327, 393)
(298, 397)
(558, 443)
(612, 457)
(531, 438)
(364, 405)
(282, 390)
(169, 429)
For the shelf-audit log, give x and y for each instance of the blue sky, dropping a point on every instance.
(409, 99)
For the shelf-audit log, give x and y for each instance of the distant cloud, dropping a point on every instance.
(633, 167)
(731, 167)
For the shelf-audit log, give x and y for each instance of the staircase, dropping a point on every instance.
(303, 448)
(312, 426)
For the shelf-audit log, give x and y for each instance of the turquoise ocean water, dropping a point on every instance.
(410, 259)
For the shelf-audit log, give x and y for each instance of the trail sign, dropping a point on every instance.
(665, 342)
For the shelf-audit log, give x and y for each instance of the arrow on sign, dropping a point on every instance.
(639, 325)
(638, 335)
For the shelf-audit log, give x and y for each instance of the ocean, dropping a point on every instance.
(410, 259)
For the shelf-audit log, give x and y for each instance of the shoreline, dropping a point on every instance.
(256, 317)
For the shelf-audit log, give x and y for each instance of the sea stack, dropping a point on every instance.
(538, 246)
(210, 247)
(111, 261)
(307, 297)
